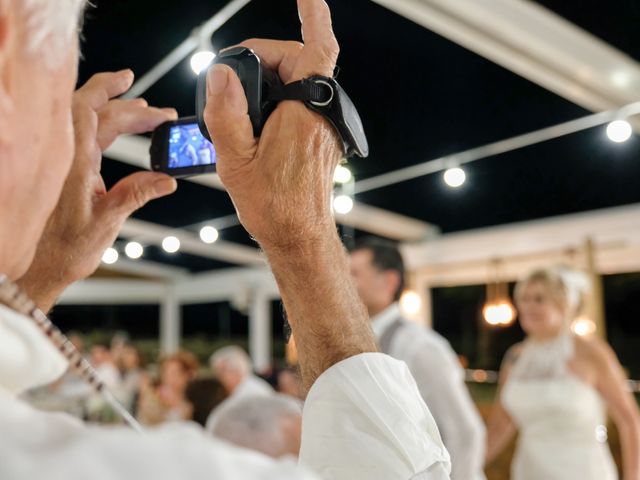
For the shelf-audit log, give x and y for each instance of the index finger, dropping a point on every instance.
(120, 117)
(102, 87)
(320, 51)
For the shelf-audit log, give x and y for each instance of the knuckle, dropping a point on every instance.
(297, 46)
(137, 197)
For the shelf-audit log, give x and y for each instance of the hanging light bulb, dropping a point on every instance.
(498, 309)
(583, 326)
(506, 312)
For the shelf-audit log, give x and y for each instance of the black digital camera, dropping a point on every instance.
(183, 147)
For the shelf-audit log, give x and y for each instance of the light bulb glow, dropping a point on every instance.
(171, 244)
(410, 302)
(342, 175)
(583, 326)
(619, 131)
(454, 177)
(343, 204)
(110, 256)
(501, 313)
(201, 60)
(209, 234)
(133, 250)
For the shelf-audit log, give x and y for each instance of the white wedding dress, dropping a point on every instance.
(560, 418)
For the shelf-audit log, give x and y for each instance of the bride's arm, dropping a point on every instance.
(500, 427)
(612, 385)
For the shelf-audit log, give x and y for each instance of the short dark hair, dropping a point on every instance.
(204, 394)
(385, 256)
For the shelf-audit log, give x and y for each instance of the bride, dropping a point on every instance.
(554, 388)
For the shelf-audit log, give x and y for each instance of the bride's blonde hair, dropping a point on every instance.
(569, 288)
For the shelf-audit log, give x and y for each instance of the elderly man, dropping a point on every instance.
(232, 366)
(364, 418)
(378, 270)
(271, 425)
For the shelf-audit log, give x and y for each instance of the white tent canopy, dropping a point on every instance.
(516, 34)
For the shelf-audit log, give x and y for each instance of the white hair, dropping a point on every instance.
(261, 423)
(233, 357)
(51, 26)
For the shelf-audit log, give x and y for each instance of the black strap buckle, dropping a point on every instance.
(325, 96)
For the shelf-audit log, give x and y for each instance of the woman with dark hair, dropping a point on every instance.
(204, 394)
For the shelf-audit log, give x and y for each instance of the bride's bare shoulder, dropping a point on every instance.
(595, 350)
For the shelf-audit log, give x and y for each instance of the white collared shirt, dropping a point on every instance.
(252, 386)
(363, 420)
(384, 319)
(440, 379)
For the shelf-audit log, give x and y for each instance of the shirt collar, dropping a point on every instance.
(381, 321)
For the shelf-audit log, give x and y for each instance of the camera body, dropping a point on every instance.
(183, 147)
(256, 81)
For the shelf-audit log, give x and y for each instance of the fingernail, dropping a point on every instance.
(172, 113)
(217, 79)
(165, 186)
(126, 73)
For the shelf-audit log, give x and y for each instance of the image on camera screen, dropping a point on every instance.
(188, 148)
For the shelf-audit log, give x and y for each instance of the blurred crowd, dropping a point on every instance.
(224, 397)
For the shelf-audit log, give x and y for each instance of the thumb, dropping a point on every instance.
(226, 116)
(135, 191)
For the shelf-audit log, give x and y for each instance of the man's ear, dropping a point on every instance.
(7, 32)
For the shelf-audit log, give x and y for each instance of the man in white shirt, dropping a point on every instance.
(232, 367)
(271, 425)
(378, 270)
(363, 418)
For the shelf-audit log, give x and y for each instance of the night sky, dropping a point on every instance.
(420, 96)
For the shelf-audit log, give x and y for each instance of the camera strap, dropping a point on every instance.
(325, 96)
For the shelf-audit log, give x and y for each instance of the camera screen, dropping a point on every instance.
(188, 148)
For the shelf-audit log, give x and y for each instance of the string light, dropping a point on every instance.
(201, 60)
(110, 256)
(342, 175)
(343, 204)
(133, 250)
(171, 244)
(619, 131)
(454, 177)
(209, 234)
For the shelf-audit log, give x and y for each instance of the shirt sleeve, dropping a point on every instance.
(65, 448)
(440, 380)
(365, 419)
